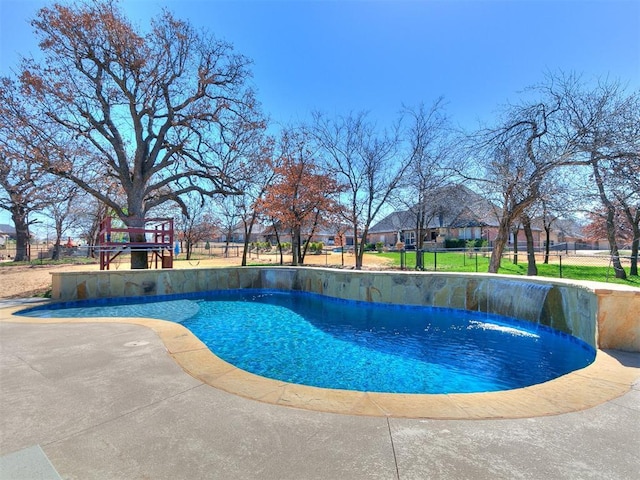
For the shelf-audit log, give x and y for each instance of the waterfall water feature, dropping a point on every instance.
(513, 298)
(282, 279)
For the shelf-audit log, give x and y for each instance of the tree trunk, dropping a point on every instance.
(358, 249)
(245, 251)
(295, 246)
(139, 258)
(611, 213)
(227, 242)
(634, 220)
(613, 244)
(515, 246)
(356, 246)
(532, 269)
(303, 251)
(275, 231)
(419, 241)
(634, 253)
(547, 230)
(499, 243)
(248, 228)
(55, 255)
(19, 217)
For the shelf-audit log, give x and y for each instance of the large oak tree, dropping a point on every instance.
(163, 113)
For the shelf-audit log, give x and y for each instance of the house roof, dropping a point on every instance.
(7, 229)
(400, 220)
(454, 206)
(567, 226)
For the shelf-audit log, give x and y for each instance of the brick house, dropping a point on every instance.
(454, 212)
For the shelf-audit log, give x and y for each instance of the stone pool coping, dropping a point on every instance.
(604, 380)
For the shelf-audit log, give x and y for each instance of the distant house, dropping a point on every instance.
(454, 212)
(567, 234)
(237, 233)
(7, 232)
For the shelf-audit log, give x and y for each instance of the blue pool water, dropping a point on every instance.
(314, 340)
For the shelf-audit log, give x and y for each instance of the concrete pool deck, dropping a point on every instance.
(105, 399)
(604, 380)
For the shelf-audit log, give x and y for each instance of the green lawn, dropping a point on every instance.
(460, 262)
(442, 261)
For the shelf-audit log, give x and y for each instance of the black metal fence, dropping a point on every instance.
(560, 262)
(596, 265)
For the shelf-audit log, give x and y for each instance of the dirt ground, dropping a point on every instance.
(29, 281)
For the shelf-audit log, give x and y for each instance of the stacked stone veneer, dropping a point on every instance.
(603, 317)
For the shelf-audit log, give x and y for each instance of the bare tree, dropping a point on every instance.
(196, 224)
(567, 124)
(23, 184)
(606, 122)
(90, 218)
(258, 176)
(427, 133)
(517, 161)
(545, 208)
(301, 195)
(228, 213)
(63, 211)
(163, 113)
(19, 197)
(365, 162)
(556, 203)
(627, 172)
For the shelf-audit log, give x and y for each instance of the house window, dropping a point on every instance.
(410, 238)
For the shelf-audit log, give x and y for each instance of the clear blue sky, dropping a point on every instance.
(341, 56)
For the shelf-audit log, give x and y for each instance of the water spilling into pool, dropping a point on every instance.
(319, 341)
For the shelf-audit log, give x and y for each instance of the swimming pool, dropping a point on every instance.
(320, 341)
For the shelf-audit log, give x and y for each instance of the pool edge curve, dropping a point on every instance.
(603, 380)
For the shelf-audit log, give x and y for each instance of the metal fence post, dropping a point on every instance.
(560, 257)
(435, 261)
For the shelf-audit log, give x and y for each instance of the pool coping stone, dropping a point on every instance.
(603, 380)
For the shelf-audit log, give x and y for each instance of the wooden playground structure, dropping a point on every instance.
(158, 237)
